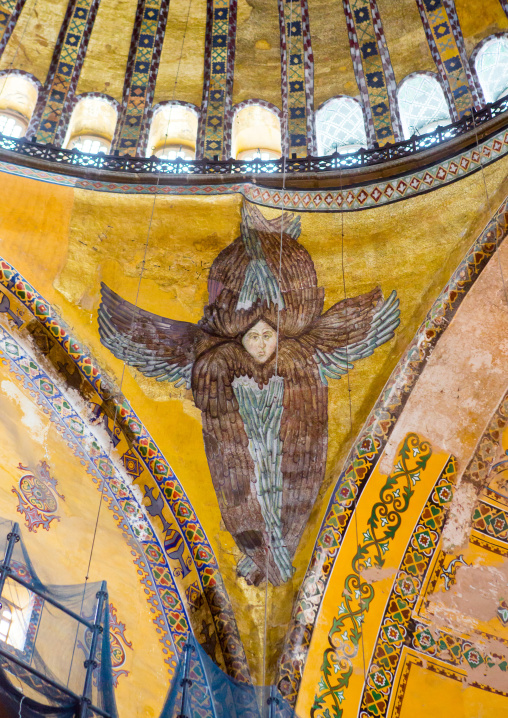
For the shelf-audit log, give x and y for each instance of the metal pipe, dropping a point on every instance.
(49, 681)
(90, 664)
(273, 702)
(12, 539)
(186, 681)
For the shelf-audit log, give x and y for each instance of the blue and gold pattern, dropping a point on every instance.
(219, 65)
(65, 68)
(142, 68)
(372, 67)
(443, 44)
(297, 75)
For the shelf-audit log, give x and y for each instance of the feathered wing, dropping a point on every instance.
(161, 348)
(352, 330)
(303, 435)
(229, 391)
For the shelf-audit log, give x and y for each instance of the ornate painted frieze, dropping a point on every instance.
(396, 625)
(457, 651)
(68, 57)
(490, 527)
(214, 137)
(119, 645)
(38, 497)
(446, 44)
(373, 71)
(297, 74)
(377, 536)
(368, 449)
(10, 10)
(170, 616)
(141, 74)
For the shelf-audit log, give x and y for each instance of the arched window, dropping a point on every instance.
(491, 65)
(18, 97)
(256, 134)
(422, 105)
(340, 126)
(173, 132)
(92, 126)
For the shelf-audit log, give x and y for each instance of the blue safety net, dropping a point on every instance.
(47, 635)
(200, 689)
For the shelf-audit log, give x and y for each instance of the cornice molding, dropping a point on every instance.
(314, 191)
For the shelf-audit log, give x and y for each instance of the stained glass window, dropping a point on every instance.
(492, 68)
(340, 126)
(422, 105)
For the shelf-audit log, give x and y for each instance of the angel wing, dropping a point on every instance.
(159, 347)
(352, 330)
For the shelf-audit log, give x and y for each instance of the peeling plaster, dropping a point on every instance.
(458, 524)
(465, 377)
(475, 596)
(31, 418)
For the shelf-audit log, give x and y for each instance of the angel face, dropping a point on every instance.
(260, 341)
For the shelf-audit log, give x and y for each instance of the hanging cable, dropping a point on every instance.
(142, 269)
(285, 144)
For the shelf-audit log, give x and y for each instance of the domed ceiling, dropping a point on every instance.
(288, 386)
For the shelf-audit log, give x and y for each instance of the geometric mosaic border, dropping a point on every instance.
(395, 627)
(446, 45)
(374, 194)
(373, 71)
(61, 82)
(214, 139)
(297, 78)
(131, 132)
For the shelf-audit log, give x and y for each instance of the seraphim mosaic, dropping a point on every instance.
(263, 398)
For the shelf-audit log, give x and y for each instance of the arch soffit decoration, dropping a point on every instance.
(93, 453)
(180, 546)
(368, 448)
